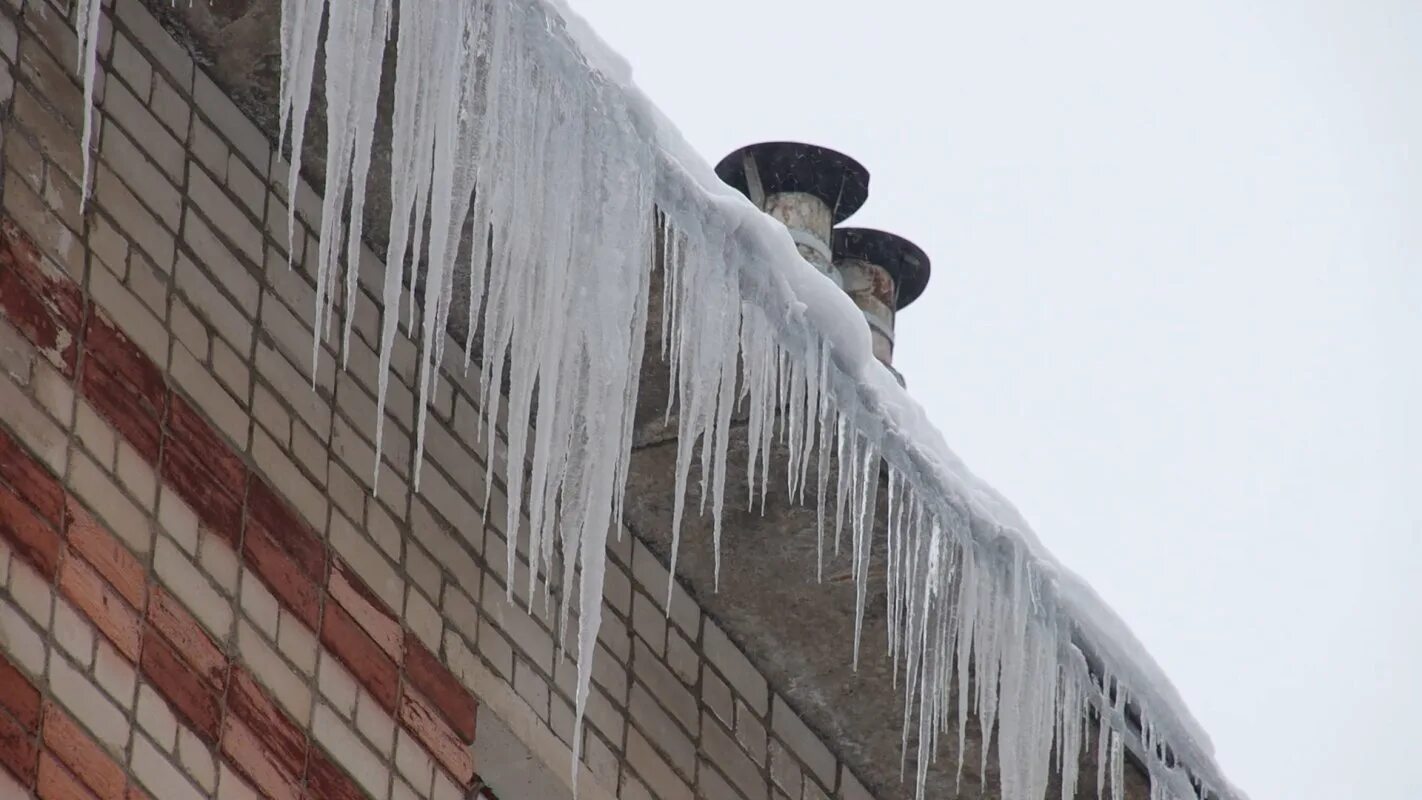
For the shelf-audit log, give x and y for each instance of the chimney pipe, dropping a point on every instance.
(882, 272)
(808, 188)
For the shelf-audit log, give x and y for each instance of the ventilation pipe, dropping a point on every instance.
(882, 272)
(808, 188)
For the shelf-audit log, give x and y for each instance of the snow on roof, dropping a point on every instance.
(515, 114)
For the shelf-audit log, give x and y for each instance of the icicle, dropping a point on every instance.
(527, 160)
(88, 14)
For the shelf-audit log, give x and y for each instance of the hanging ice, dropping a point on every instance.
(513, 122)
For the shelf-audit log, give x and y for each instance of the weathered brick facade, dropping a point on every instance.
(200, 592)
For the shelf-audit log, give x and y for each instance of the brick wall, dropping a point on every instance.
(200, 592)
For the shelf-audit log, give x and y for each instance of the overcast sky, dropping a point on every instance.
(1176, 312)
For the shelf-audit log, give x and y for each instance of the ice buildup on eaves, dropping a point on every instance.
(514, 122)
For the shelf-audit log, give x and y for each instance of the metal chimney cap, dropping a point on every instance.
(902, 259)
(840, 181)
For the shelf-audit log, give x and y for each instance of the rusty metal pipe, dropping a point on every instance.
(808, 188)
(882, 273)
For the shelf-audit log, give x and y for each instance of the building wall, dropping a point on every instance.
(200, 592)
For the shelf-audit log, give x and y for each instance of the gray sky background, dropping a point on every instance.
(1176, 312)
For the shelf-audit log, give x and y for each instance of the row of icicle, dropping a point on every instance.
(517, 164)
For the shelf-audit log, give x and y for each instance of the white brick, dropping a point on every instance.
(132, 67)
(219, 561)
(226, 217)
(423, 619)
(739, 672)
(382, 528)
(308, 498)
(148, 284)
(88, 704)
(95, 434)
(209, 148)
(414, 763)
(190, 586)
(337, 684)
(138, 322)
(197, 760)
(259, 604)
(374, 724)
(178, 519)
(294, 338)
(16, 354)
(9, 787)
(54, 392)
(231, 369)
(289, 384)
(269, 413)
(121, 106)
(170, 107)
(111, 504)
(73, 633)
(230, 786)
(33, 427)
(156, 718)
(297, 643)
(244, 183)
(124, 152)
(114, 674)
(285, 685)
(802, 741)
(152, 37)
(130, 216)
(19, 640)
(212, 306)
(459, 609)
(208, 395)
(32, 593)
(159, 776)
(136, 475)
(188, 329)
(348, 750)
(367, 562)
(226, 117)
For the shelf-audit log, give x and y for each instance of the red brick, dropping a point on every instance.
(446, 693)
(55, 782)
(106, 554)
(326, 781)
(81, 755)
(368, 610)
(42, 304)
(18, 696)
(218, 506)
(167, 614)
(119, 403)
(420, 718)
(30, 480)
(288, 529)
(187, 425)
(281, 574)
(31, 539)
(102, 604)
(18, 751)
(375, 670)
(181, 686)
(283, 740)
(244, 750)
(105, 342)
(135, 793)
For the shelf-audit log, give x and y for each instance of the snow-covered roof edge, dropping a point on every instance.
(906, 427)
(521, 101)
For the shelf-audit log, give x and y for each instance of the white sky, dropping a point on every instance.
(1176, 313)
